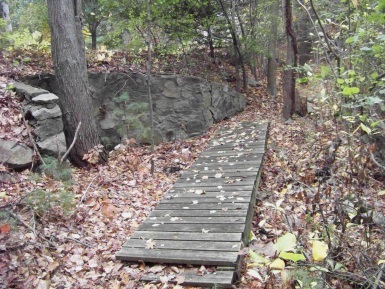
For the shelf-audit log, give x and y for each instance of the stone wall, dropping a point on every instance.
(42, 111)
(183, 106)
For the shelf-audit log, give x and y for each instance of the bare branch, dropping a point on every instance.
(32, 140)
(72, 144)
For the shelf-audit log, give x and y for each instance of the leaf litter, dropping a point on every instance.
(77, 250)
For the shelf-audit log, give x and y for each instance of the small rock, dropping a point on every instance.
(15, 155)
(45, 98)
(44, 113)
(53, 145)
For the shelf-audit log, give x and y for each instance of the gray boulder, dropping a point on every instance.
(14, 155)
(45, 113)
(53, 145)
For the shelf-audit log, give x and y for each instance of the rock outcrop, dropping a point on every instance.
(183, 106)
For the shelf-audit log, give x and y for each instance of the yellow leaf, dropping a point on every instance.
(381, 262)
(277, 264)
(319, 250)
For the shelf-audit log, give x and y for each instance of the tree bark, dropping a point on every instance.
(291, 60)
(68, 53)
(6, 17)
(94, 30)
(271, 62)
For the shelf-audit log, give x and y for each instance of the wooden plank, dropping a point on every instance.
(213, 192)
(213, 228)
(180, 199)
(229, 194)
(218, 174)
(196, 213)
(219, 279)
(183, 245)
(214, 258)
(227, 164)
(197, 220)
(221, 188)
(203, 206)
(185, 183)
(186, 236)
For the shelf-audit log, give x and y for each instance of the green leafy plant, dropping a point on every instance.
(56, 170)
(43, 201)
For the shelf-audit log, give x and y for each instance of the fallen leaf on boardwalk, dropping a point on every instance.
(205, 231)
(195, 202)
(156, 269)
(205, 177)
(163, 279)
(199, 192)
(150, 244)
(217, 176)
(202, 270)
(319, 250)
(179, 279)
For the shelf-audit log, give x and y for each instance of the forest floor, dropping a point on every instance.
(319, 185)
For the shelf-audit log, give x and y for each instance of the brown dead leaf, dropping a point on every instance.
(156, 269)
(52, 266)
(5, 229)
(109, 210)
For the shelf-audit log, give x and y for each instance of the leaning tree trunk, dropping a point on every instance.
(6, 17)
(291, 60)
(68, 53)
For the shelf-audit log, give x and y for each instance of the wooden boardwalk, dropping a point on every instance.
(205, 219)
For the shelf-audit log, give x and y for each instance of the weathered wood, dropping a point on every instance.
(219, 279)
(198, 220)
(192, 199)
(218, 258)
(203, 206)
(213, 228)
(185, 236)
(216, 182)
(219, 189)
(206, 217)
(196, 213)
(216, 245)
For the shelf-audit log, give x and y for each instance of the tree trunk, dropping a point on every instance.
(291, 60)
(94, 29)
(271, 62)
(211, 43)
(69, 61)
(6, 17)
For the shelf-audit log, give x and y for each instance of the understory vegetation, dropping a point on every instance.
(320, 212)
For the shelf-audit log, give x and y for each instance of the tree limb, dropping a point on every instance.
(72, 144)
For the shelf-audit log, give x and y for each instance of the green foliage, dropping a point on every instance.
(43, 201)
(55, 170)
(130, 116)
